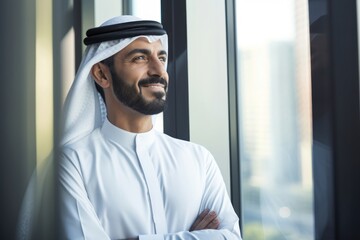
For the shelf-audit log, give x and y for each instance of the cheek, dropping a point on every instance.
(132, 75)
(127, 78)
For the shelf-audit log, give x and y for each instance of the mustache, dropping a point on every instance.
(152, 80)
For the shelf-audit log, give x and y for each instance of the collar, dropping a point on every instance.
(127, 139)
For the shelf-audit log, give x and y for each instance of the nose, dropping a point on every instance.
(157, 68)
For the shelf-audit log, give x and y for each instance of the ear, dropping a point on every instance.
(100, 73)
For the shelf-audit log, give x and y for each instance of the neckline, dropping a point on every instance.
(125, 138)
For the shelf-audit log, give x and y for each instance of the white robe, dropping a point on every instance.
(115, 184)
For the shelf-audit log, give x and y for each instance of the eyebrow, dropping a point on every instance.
(144, 51)
(162, 52)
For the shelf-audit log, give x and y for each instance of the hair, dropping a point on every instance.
(110, 63)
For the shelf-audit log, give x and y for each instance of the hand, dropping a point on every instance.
(206, 220)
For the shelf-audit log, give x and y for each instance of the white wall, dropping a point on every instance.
(104, 11)
(208, 102)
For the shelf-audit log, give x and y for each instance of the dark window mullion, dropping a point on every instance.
(176, 116)
(233, 107)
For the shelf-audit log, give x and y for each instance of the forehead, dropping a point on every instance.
(143, 43)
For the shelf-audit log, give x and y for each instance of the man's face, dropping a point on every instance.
(139, 77)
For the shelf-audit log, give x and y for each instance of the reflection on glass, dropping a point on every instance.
(275, 119)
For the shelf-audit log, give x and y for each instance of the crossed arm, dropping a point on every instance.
(82, 221)
(206, 220)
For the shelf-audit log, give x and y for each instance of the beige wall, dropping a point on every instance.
(208, 103)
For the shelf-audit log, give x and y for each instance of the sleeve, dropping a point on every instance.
(215, 198)
(219, 234)
(77, 214)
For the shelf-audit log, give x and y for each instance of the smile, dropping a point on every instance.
(153, 85)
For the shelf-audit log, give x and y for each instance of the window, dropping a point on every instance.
(274, 104)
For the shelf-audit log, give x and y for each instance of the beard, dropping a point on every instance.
(129, 95)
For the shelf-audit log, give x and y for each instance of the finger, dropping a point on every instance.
(206, 220)
(214, 224)
(199, 219)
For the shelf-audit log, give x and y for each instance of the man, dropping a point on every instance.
(119, 178)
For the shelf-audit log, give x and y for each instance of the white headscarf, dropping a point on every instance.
(84, 109)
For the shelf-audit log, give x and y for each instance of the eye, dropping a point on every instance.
(163, 58)
(139, 58)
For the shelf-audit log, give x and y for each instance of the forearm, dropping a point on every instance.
(222, 234)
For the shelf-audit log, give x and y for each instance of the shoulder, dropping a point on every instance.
(84, 140)
(78, 156)
(166, 138)
(81, 146)
(183, 145)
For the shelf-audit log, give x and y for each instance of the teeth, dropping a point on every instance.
(154, 85)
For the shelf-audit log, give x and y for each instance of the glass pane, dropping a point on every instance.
(275, 119)
(147, 9)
